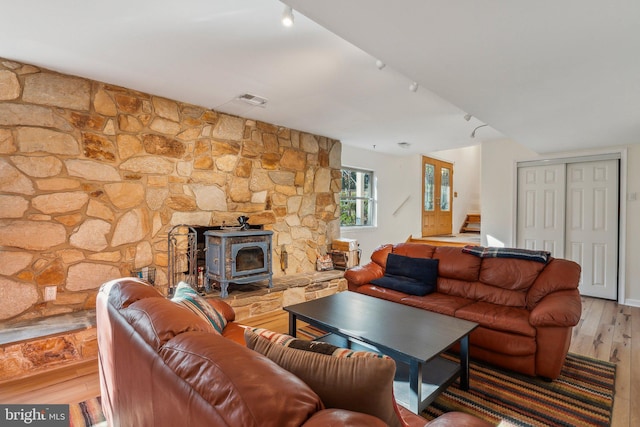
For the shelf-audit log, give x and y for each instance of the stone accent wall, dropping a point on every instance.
(93, 176)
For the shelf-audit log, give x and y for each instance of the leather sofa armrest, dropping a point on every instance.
(409, 419)
(235, 332)
(223, 308)
(362, 275)
(342, 417)
(458, 419)
(562, 308)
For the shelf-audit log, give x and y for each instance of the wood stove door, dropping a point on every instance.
(249, 258)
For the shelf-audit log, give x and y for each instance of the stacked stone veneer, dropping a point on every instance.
(93, 176)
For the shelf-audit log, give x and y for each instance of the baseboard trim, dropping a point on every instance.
(632, 302)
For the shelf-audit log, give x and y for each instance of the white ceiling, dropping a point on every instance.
(552, 75)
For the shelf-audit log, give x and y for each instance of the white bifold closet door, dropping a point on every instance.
(592, 225)
(541, 208)
(571, 210)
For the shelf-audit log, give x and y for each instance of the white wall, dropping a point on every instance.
(397, 178)
(497, 191)
(466, 181)
(632, 237)
(498, 202)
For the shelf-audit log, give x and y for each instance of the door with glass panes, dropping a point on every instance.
(437, 197)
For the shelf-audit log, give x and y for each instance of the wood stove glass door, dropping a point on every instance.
(249, 258)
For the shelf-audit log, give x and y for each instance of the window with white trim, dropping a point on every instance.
(357, 207)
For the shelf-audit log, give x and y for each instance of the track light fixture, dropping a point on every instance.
(413, 87)
(380, 65)
(287, 16)
(473, 134)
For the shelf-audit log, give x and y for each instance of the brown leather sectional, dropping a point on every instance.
(526, 309)
(162, 365)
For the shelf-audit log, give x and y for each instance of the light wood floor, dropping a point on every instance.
(606, 331)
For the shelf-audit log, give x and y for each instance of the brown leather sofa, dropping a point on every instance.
(526, 309)
(162, 365)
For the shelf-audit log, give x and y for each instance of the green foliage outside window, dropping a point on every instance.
(356, 198)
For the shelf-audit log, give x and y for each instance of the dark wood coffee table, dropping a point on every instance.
(413, 337)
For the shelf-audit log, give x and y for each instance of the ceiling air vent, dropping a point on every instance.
(253, 100)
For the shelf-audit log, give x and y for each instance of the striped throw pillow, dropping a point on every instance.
(313, 346)
(187, 296)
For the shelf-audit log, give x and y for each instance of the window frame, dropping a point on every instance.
(363, 199)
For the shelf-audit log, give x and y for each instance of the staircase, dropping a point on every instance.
(471, 224)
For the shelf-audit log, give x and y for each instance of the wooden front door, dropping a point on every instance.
(437, 197)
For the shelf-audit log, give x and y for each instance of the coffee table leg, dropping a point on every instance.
(464, 363)
(415, 383)
(292, 324)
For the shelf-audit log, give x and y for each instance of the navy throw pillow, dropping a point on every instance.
(414, 276)
(403, 284)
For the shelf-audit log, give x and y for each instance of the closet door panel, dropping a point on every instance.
(592, 215)
(541, 213)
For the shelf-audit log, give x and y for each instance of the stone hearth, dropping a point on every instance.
(255, 298)
(40, 345)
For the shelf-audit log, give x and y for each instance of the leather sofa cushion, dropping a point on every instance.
(157, 320)
(479, 291)
(459, 419)
(438, 302)
(255, 391)
(521, 363)
(454, 264)
(501, 342)
(340, 417)
(124, 291)
(514, 274)
(499, 317)
(355, 381)
(380, 292)
(413, 250)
